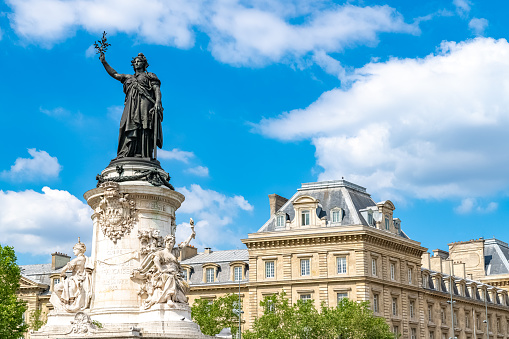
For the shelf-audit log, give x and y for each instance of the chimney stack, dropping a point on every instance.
(208, 250)
(276, 202)
(59, 260)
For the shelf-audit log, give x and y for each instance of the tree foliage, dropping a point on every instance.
(302, 320)
(11, 309)
(37, 320)
(213, 316)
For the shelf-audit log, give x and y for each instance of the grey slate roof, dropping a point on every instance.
(39, 273)
(338, 193)
(221, 258)
(496, 257)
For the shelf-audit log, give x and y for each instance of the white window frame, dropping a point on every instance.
(238, 273)
(411, 307)
(376, 306)
(374, 266)
(413, 333)
(210, 278)
(394, 306)
(370, 218)
(341, 264)
(280, 220)
(410, 275)
(305, 297)
(393, 270)
(305, 267)
(336, 216)
(305, 216)
(270, 269)
(387, 223)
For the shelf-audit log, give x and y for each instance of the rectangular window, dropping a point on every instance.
(210, 275)
(341, 296)
(280, 220)
(269, 269)
(373, 266)
(269, 306)
(387, 225)
(237, 273)
(442, 315)
(394, 306)
(413, 333)
(56, 281)
(410, 275)
(395, 330)
(431, 335)
(412, 308)
(430, 313)
(305, 267)
(341, 264)
(455, 320)
(467, 321)
(424, 281)
(375, 303)
(305, 297)
(335, 216)
(393, 271)
(498, 325)
(370, 219)
(305, 218)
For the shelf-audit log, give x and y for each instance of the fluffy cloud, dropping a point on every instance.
(175, 154)
(41, 166)
(41, 223)
(470, 205)
(478, 26)
(432, 128)
(462, 7)
(241, 33)
(214, 214)
(200, 171)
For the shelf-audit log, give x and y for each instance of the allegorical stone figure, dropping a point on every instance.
(142, 110)
(73, 294)
(160, 272)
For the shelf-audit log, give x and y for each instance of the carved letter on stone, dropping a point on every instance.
(117, 213)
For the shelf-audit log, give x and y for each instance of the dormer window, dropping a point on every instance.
(336, 215)
(281, 220)
(370, 218)
(387, 223)
(305, 218)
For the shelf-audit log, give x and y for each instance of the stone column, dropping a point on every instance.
(120, 212)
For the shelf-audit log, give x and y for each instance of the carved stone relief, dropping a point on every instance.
(117, 213)
(82, 324)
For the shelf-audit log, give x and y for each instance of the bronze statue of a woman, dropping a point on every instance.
(141, 120)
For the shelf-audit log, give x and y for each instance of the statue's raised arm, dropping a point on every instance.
(109, 69)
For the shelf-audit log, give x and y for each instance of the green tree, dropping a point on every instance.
(37, 320)
(302, 320)
(11, 308)
(213, 316)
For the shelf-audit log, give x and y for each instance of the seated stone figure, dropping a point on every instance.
(74, 293)
(160, 273)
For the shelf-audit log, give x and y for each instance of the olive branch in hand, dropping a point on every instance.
(101, 45)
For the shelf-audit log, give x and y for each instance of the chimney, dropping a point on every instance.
(208, 250)
(59, 260)
(276, 202)
(441, 253)
(188, 252)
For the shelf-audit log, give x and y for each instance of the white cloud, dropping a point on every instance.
(200, 171)
(462, 7)
(90, 52)
(240, 32)
(55, 112)
(115, 112)
(469, 205)
(429, 128)
(215, 215)
(175, 154)
(478, 26)
(41, 166)
(41, 223)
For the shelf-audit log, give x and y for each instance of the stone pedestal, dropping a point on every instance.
(124, 210)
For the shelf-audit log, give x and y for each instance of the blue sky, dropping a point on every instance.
(409, 99)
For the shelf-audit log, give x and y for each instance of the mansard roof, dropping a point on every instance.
(342, 194)
(496, 257)
(39, 273)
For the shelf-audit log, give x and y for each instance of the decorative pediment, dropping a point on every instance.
(27, 283)
(305, 199)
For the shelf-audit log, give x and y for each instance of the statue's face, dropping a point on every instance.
(170, 244)
(139, 64)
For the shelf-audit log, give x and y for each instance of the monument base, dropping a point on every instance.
(160, 321)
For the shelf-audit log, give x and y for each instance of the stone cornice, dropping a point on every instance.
(334, 236)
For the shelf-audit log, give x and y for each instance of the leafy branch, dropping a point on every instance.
(101, 45)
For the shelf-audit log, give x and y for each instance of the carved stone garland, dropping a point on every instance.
(117, 213)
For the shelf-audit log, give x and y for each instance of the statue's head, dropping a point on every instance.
(141, 58)
(169, 241)
(79, 248)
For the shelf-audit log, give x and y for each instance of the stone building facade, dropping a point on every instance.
(330, 241)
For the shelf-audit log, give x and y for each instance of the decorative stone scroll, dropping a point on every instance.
(82, 324)
(159, 274)
(117, 213)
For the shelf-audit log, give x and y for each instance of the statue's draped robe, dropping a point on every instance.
(74, 293)
(136, 134)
